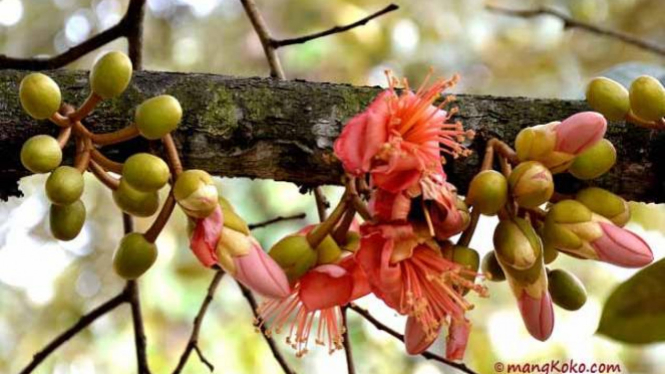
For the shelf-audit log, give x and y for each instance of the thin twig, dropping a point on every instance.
(79, 326)
(350, 367)
(259, 225)
(333, 30)
(268, 338)
(262, 31)
(569, 22)
(428, 355)
(321, 203)
(193, 342)
(134, 32)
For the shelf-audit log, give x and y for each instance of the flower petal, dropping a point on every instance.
(325, 286)
(261, 273)
(205, 236)
(579, 132)
(538, 314)
(621, 247)
(416, 340)
(458, 337)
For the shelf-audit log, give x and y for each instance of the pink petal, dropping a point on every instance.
(325, 286)
(261, 273)
(538, 314)
(621, 247)
(579, 132)
(205, 236)
(458, 337)
(386, 206)
(395, 180)
(361, 285)
(415, 338)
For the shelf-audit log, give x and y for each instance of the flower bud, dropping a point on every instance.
(488, 192)
(470, 261)
(463, 210)
(566, 290)
(491, 268)
(66, 221)
(39, 95)
(580, 132)
(647, 98)
(294, 255)
(158, 116)
(231, 219)
(64, 186)
(145, 172)
(134, 256)
(328, 252)
(516, 243)
(111, 74)
(41, 154)
(204, 236)
(135, 202)
(609, 98)
(606, 204)
(196, 193)
(595, 161)
(536, 142)
(531, 184)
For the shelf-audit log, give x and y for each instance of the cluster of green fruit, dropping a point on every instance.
(142, 174)
(643, 103)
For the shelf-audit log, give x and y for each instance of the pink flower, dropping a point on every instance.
(398, 137)
(205, 236)
(621, 247)
(537, 313)
(260, 272)
(442, 213)
(580, 132)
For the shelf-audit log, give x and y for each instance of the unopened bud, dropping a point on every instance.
(111, 74)
(41, 154)
(294, 254)
(566, 290)
(196, 193)
(536, 142)
(134, 256)
(516, 244)
(135, 202)
(609, 98)
(65, 185)
(647, 98)
(491, 268)
(231, 219)
(145, 172)
(66, 221)
(158, 116)
(531, 184)
(39, 95)
(488, 192)
(595, 161)
(606, 204)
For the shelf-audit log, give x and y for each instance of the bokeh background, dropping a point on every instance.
(46, 285)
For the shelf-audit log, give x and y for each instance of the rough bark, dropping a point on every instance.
(262, 128)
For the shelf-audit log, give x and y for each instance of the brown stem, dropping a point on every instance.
(122, 135)
(134, 32)
(339, 234)
(105, 162)
(346, 341)
(59, 119)
(569, 22)
(333, 30)
(247, 294)
(193, 342)
(467, 235)
(321, 203)
(505, 150)
(316, 236)
(139, 330)
(82, 158)
(428, 355)
(262, 31)
(358, 204)
(161, 220)
(656, 125)
(506, 169)
(101, 174)
(63, 136)
(88, 106)
(488, 159)
(172, 155)
(269, 222)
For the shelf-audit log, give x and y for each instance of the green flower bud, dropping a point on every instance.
(111, 74)
(469, 259)
(64, 186)
(134, 256)
(550, 253)
(66, 221)
(606, 204)
(328, 252)
(135, 202)
(565, 212)
(491, 268)
(595, 161)
(39, 95)
(535, 143)
(488, 192)
(531, 184)
(158, 116)
(145, 172)
(647, 98)
(294, 254)
(196, 193)
(231, 219)
(609, 98)
(41, 154)
(566, 290)
(516, 243)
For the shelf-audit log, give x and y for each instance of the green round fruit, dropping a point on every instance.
(488, 192)
(647, 98)
(39, 95)
(491, 268)
(145, 172)
(111, 74)
(67, 220)
(609, 98)
(566, 290)
(135, 202)
(65, 185)
(134, 256)
(158, 116)
(595, 161)
(41, 154)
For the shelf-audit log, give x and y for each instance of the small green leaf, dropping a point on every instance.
(635, 312)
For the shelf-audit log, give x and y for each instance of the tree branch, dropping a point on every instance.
(570, 22)
(271, 221)
(428, 355)
(129, 26)
(334, 30)
(262, 31)
(193, 342)
(350, 367)
(247, 294)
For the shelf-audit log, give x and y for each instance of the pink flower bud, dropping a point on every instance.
(260, 272)
(458, 337)
(579, 132)
(621, 247)
(538, 314)
(416, 340)
(325, 286)
(205, 236)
